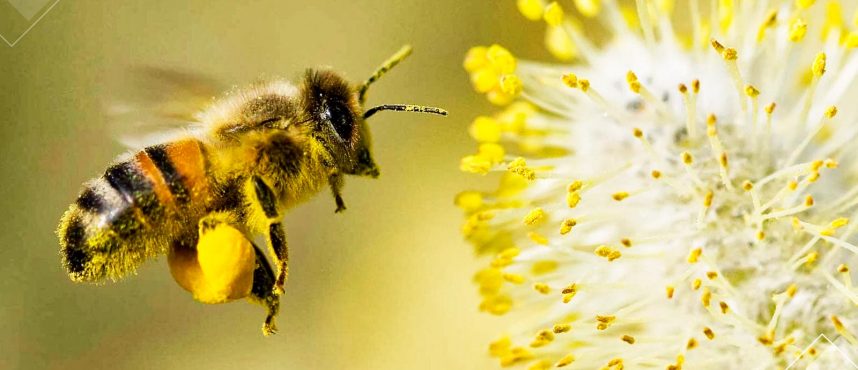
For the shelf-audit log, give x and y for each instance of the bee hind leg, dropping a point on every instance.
(262, 291)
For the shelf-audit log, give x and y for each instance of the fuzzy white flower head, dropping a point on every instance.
(672, 198)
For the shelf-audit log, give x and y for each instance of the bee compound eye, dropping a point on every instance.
(341, 118)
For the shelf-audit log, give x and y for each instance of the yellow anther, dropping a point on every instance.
(695, 86)
(559, 43)
(572, 199)
(818, 67)
(719, 48)
(583, 84)
(770, 108)
(543, 267)
(830, 163)
(769, 22)
(571, 80)
(553, 14)
(711, 275)
(683, 89)
(515, 356)
(687, 158)
(838, 325)
(542, 338)
(501, 59)
(542, 288)
(469, 201)
(537, 238)
(694, 255)
(475, 164)
(570, 289)
(707, 199)
(730, 54)
(839, 222)
(724, 307)
(530, 9)
(842, 268)
(808, 201)
(476, 58)
(607, 252)
(519, 167)
(656, 174)
(830, 112)
(562, 328)
(816, 165)
(567, 225)
(534, 216)
(509, 253)
(797, 30)
(589, 8)
(568, 297)
(604, 321)
(706, 297)
(500, 347)
(810, 258)
(484, 80)
(851, 40)
(752, 91)
(485, 130)
(510, 84)
(761, 235)
(637, 132)
(669, 290)
(633, 82)
(566, 360)
(792, 185)
(709, 333)
(691, 344)
(616, 362)
(626, 242)
(696, 284)
(804, 4)
(791, 290)
(747, 185)
(496, 305)
(514, 278)
(619, 196)
(575, 186)
(723, 160)
(628, 339)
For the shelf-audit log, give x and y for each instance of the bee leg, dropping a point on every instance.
(336, 182)
(262, 291)
(276, 235)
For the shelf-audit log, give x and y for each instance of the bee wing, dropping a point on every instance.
(149, 105)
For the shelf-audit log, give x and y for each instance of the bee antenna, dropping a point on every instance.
(388, 64)
(404, 108)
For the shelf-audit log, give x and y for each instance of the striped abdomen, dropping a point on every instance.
(133, 211)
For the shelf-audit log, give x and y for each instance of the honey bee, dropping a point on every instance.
(203, 197)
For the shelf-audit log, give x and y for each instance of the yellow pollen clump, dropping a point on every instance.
(607, 252)
(219, 270)
(553, 14)
(519, 167)
(730, 54)
(530, 9)
(709, 333)
(797, 30)
(628, 339)
(534, 216)
(510, 84)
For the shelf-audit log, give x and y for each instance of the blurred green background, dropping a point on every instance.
(385, 285)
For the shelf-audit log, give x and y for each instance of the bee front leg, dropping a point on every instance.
(262, 291)
(336, 182)
(276, 236)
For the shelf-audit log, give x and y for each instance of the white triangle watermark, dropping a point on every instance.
(28, 9)
(832, 350)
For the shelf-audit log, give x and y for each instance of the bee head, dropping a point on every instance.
(333, 111)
